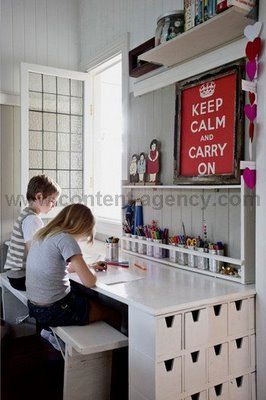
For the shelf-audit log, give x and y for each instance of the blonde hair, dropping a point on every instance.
(75, 219)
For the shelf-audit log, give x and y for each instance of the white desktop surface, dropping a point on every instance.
(160, 289)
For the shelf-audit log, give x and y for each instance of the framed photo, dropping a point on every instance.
(209, 127)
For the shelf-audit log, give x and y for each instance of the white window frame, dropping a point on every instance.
(24, 100)
(120, 46)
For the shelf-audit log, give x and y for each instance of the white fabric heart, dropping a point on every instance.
(253, 31)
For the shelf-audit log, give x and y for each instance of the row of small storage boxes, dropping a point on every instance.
(150, 248)
(194, 372)
(203, 326)
(240, 388)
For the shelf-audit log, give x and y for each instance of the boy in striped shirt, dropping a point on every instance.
(42, 195)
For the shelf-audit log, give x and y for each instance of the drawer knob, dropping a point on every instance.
(195, 315)
(217, 309)
(218, 389)
(169, 365)
(169, 321)
(239, 381)
(217, 349)
(239, 343)
(195, 356)
(238, 304)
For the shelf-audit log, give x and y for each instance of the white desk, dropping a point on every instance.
(172, 315)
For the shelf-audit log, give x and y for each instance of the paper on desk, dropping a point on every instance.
(113, 279)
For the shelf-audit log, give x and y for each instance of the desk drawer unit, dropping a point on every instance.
(204, 353)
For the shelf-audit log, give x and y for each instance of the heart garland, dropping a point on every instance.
(249, 176)
(253, 50)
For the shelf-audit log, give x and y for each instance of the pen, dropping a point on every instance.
(140, 266)
(118, 264)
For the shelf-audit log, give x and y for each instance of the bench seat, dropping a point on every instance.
(93, 338)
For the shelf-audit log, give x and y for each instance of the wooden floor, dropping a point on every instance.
(32, 369)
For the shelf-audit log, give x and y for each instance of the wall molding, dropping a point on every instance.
(9, 99)
(107, 52)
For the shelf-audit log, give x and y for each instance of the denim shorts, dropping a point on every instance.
(73, 309)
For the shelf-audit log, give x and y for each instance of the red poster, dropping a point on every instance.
(207, 136)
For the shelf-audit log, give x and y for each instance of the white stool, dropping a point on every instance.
(88, 359)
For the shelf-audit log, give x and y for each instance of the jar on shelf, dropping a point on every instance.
(202, 262)
(134, 245)
(149, 247)
(127, 245)
(169, 26)
(158, 251)
(182, 258)
(215, 265)
(142, 246)
(191, 258)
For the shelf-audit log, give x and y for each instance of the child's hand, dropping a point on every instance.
(70, 269)
(99, 266)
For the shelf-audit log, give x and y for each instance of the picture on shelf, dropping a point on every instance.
(209, 127)
(144, 169)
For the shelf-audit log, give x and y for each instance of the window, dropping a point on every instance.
(106, 147)
(53, 124)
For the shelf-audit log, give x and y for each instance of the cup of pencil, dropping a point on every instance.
(111, 249)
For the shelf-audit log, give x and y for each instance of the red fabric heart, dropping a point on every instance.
(253, 49)
(249, 176)
(251, 111)
(251, 131)
(252, 97)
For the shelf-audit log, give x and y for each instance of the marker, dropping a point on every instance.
(140, 266)
(123, 264)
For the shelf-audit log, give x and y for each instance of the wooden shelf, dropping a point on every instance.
(185, 267)
(178, 187)
(217, 31)
(225, 259)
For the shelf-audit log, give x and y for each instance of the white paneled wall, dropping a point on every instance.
(102, 21)
(34, 31)
(153, 116)
(37, 31)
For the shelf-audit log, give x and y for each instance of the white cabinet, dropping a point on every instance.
(181, 355)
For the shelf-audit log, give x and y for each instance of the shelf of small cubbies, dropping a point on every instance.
(217, 31)
(166, 261)
(183, 187)
(234, 261)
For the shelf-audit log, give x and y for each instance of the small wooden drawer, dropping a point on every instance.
(198, 396)
(218, 362)
(196, 328)
(219, 392)
(155, 380)
(168, 335)
(218, 315)
(238, 317)
(195, 370)
(239, 355)
(157, 337)
(253, 351)
(239, 388)
(168, 379)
